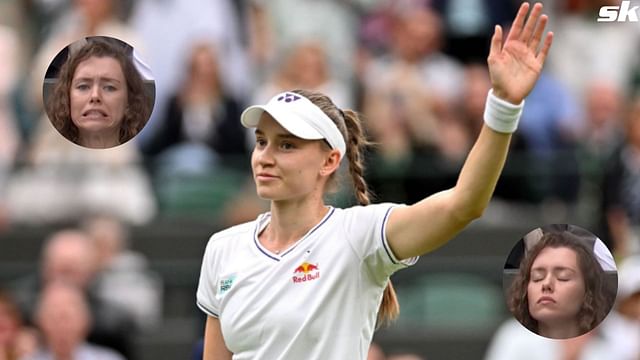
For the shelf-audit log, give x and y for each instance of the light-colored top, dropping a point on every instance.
(514, 341)
(83, 352)
(318, 299)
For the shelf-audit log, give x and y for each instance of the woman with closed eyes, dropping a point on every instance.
(559, 290)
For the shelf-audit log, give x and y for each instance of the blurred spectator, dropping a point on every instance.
(516, 182)
(277, 25)
(69, 256)
(200, 129)
(62, 182)
(456, 133)
(215, 22)
(9, 136)
(12, 335)
(590, 49)
(408, 94)
(21, 17)
(621, 189)
(64, 319)
(620, 331)
(305, 65)
(550, 125)
(514, 341)
(604, 126)
(24, 19)
(551, 118)
(417, 38)
(602, 134)
(407, 89)
(124, 277)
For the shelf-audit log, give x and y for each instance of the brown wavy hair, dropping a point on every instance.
(594, 305)
(350, 127)
(138, 107)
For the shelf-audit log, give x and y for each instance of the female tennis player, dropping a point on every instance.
(309, 281)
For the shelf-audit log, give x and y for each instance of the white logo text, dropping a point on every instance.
(621, 13)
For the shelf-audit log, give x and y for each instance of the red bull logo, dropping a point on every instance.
(305, 272)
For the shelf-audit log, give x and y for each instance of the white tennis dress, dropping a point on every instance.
(317, 299)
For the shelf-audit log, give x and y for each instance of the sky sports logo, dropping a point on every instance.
(622, 13)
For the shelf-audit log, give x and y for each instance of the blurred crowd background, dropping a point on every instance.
(127, 226)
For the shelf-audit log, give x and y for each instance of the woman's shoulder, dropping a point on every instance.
(371, 208)
(234, 232)
(364, 213)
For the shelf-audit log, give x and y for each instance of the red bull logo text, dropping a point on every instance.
(305, 272)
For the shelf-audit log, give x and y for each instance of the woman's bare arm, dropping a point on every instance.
(214, 346)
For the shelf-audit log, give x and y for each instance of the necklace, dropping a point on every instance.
(277, 252)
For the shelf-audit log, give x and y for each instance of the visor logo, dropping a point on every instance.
(289, 97)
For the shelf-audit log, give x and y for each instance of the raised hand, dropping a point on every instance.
(515, 66)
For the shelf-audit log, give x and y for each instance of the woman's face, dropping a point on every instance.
(98, 96)
(556, 286)
(285, 166)
(204, 64)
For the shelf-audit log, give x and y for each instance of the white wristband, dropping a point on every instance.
(501, 115)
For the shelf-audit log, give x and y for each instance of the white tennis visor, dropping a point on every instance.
(300, 117)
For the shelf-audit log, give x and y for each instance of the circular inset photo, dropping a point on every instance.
(98, 93)
(560, 281)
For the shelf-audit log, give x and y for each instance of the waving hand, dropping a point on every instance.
(516, 65)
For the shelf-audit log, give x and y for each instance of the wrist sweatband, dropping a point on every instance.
(501, 115)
